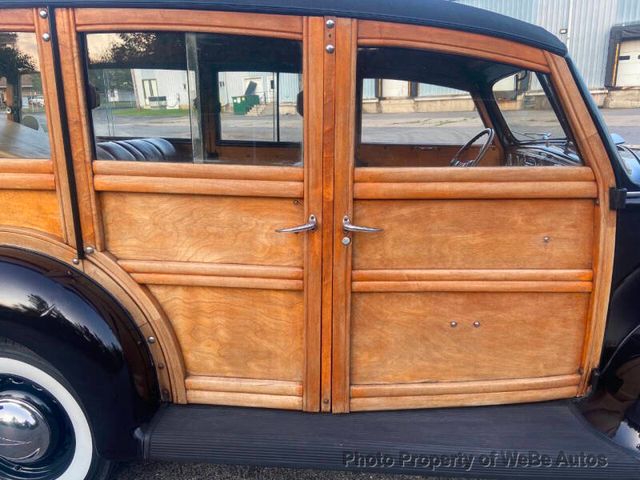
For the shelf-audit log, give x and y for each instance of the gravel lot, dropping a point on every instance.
(175, 471)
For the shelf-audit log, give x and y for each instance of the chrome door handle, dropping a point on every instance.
(347, 226)
(310, 226)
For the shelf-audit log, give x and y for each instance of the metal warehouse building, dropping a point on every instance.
(603, 37)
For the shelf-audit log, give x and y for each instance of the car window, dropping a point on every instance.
(400, 112)
(419, 108)
(186, 97)
(23, 122)
(526, 108)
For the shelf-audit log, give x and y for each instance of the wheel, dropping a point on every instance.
(44, 431)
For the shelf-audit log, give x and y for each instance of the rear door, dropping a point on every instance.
(191, 178)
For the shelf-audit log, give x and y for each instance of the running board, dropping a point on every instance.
(543, 440)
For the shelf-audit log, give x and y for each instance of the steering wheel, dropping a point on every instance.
(456, 162)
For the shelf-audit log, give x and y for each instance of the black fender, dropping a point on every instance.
(71, 322)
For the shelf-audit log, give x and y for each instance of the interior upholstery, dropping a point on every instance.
(139, 149)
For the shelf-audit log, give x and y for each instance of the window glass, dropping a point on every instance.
(428, 109)
(408, 113)
(23, 123)
(204, 98)
(260, 106)
(526, 108)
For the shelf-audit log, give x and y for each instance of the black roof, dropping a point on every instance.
(436, 13)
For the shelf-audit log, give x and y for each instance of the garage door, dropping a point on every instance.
(629, 64)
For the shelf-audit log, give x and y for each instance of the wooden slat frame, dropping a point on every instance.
(131, 19)
(225, 180)
(383, 34)
(590, 182)
(343, 157)
(595, 155)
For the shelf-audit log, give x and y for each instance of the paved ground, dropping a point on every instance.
(174, 471)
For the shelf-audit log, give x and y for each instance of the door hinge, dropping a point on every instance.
(617, 198)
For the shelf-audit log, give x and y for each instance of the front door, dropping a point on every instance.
(460, 278)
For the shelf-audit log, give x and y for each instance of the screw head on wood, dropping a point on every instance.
(330, 48)
(75, 261)
(46, 37)
(43, 13)
(476, 324)
(151, 340)
(454, 324)
(330, 23)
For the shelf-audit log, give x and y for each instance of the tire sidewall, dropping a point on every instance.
(29, 366)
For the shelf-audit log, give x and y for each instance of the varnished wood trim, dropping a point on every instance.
(476, 174)
(314, 253)
(150, 318)
(342, 156)
(22, 165)
(595, 155)
(27, 181)
(16, 20)
(79, 128)
(510, 385)
(54, 122)
(472, 275)
(244, 385)
(472, 190)
(221, 282)
(131, 19)
(462, 399)
(383, 34)
(199, 186)
(472, 286)
(212, 269)
(237, 399)
(192, 170)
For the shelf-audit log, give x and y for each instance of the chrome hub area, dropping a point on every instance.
(25, 434)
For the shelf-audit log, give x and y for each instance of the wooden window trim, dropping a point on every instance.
(384, 34)
(135, 19)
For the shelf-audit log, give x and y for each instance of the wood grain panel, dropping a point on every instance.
(194, 170)
(476, 174)
(471, 275)
(595, 155)
(408, 338)
(11, 165)
(244, 385)
(473, 190)
(16, 20)
(237, 399)
(202, 229)
(447, 388)
(462, 399)
(31, 209)
(213, 269)
(198, 186)
(216, 281)
(471, 286)
(475, 234)
(130, 19)
(27, 181)
(383, 34)
(240, 333)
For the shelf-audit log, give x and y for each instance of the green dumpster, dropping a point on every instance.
(244, 103)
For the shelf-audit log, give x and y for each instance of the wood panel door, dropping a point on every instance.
(471, 286)
(202, 226)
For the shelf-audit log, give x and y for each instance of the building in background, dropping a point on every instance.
(602, 36)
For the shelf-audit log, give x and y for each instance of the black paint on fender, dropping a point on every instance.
(65, 318)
